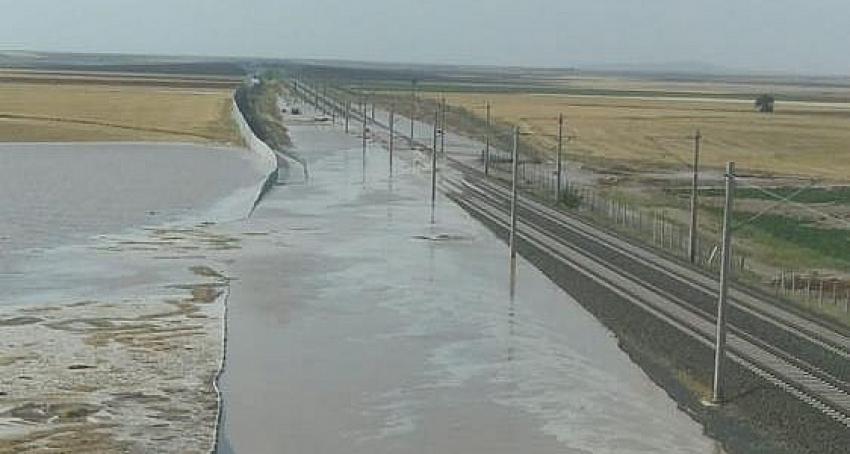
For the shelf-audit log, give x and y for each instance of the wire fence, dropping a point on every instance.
(655, 226)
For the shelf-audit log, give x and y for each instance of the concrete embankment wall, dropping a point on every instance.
(267, 156)
(268, 161)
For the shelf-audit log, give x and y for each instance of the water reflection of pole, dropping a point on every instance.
(512, 312)
(512, 316)
(514, 198)
(513, 282)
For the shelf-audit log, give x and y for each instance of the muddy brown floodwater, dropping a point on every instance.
(358, 326)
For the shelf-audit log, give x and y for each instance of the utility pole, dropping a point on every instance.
(725, 270)
(560, 153)
(487, 144)
(364, 130)
(443, 129)
(392, 136)
(347, 114)
(332, 107)
(692, 244)
(514, 197)
(434, 163)
(373, 111)
(412, 109)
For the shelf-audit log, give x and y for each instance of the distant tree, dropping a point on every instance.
(764, 103)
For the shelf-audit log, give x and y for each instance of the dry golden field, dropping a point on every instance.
(801, 138)
(63, 111)
(830, 89)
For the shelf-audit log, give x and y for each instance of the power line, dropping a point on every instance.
(844, 222)
(665, 152)
(774, 205)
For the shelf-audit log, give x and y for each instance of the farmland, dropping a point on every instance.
(650, 133)
(76, 109)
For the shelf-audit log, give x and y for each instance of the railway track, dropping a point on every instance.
(565, 240)
(803, 356)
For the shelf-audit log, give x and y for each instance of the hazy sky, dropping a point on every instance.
(786, 35)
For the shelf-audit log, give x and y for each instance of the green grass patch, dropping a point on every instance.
(797, 243)
(836, 194)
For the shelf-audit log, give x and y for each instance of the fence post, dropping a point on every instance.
(809, 288)
(654, 227)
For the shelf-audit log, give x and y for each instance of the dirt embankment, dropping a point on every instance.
(258, 104)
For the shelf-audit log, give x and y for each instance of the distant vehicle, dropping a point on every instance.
(284, 110)
(295, 111)
(321, 118)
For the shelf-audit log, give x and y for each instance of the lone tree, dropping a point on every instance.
(764, 103)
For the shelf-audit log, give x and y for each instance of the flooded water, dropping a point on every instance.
(56, 194)
(63, 194)
(359, 326)
(61, 202)
(356, 325)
